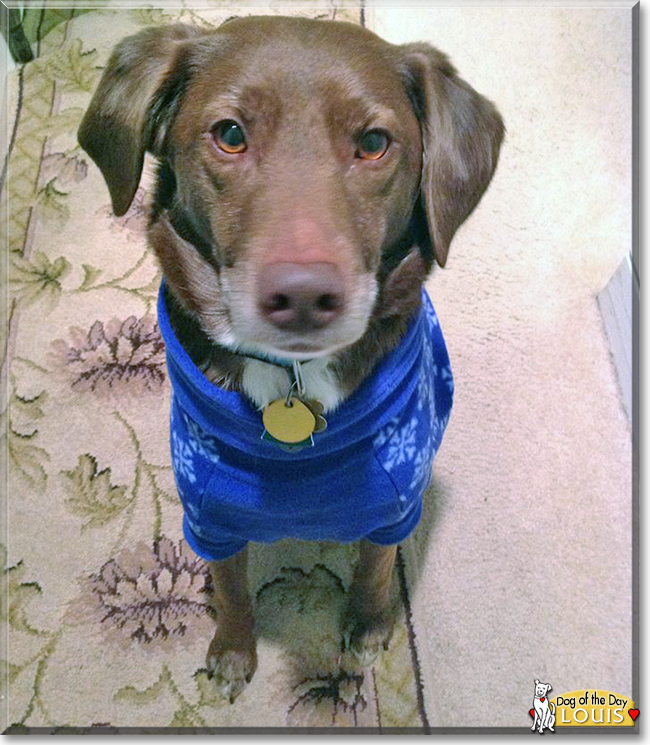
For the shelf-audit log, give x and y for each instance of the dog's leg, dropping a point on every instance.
(544, 719)
(232, 656)
(369, 617)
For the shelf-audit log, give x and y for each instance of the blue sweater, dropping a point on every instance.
(364, 477)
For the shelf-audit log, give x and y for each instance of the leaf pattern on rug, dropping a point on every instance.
(74, 67)
(24, 455)
(66, 168)
(154, 597)
(92, 495)
(117, 357)
(333, 699)
(37, 280)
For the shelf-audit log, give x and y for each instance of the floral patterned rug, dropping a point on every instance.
(106, 619)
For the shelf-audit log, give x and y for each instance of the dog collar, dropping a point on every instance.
(277, 361)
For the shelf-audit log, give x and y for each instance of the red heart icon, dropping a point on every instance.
(634, 713)
(532, 712)
(542, 700)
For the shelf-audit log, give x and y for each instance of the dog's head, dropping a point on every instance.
(300, 162)
(541, 689)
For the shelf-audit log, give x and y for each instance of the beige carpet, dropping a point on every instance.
(522, 566)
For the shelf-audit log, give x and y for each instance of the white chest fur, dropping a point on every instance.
(264, 382)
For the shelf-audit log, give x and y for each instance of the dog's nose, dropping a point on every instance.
(300, 297)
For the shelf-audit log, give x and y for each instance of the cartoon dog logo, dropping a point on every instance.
(544, 711)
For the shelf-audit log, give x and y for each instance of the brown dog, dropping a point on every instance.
(310, 174)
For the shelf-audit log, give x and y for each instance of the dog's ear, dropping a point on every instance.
(461, 135)
(130, 109)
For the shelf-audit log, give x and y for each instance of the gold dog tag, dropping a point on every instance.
(291, 423)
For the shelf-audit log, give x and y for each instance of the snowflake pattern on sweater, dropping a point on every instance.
(406, 447)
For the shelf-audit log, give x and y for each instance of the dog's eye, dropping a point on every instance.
(229, 136)
(372, 145)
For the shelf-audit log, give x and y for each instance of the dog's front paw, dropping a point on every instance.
(231, 662)
(366, 635)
